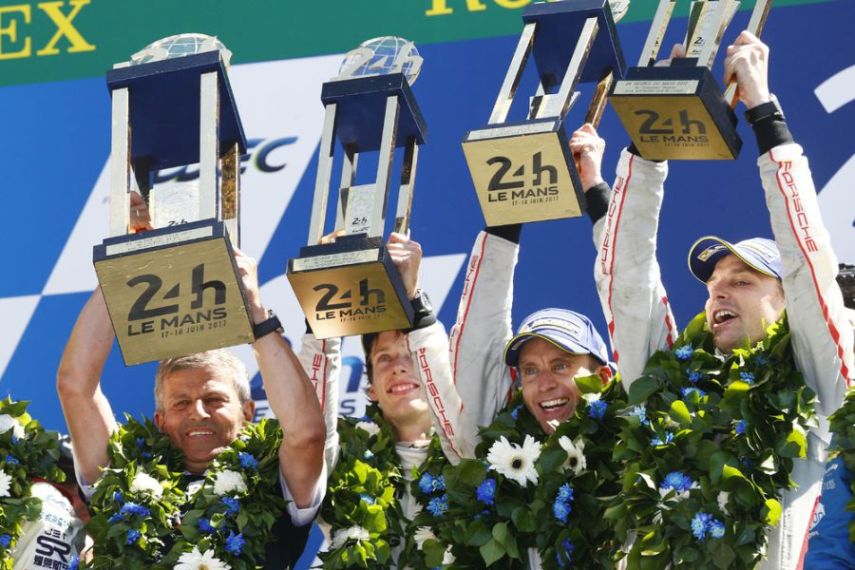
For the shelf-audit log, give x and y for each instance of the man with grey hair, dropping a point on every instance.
(203, 402)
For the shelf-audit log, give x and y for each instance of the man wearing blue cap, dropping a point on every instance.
(749, 283)
(553, 345)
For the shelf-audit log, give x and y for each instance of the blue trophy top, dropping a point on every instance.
(361, 107)
(559, 25)
(165, 108)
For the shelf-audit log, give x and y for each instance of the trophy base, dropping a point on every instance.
(676, 113)
(524, 173)
(350, 287)
(173, 291)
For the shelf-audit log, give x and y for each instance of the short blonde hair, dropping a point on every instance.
(226, 365)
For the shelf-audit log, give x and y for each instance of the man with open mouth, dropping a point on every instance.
(749, 283)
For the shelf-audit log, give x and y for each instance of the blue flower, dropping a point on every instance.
(368, 455)
(669, 437)
(131, 508)
(486, 491)
(678, 481)
(118, 497)
(438, 505)
(740, 427)
(5, 540)
(597, 409)
(12, 460)
(247, 461)
(684, 352)
(74, 564)
(235, 543)
(133, 536)
(430, 484)
(115, 518)
(561, 511)
(565, 493)
(761, 360)
(515, 413)
(716, 528)
(367, 499)
(686, 392)
(140, 441)
(747, 377)
(232, 505)
(700, 525)
(694, 375)
(564, 555)
(205, 525)
(639, 412)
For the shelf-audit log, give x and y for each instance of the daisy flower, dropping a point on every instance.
(196, 560)
(514, 461)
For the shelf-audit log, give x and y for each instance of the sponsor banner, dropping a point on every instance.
(53, 40)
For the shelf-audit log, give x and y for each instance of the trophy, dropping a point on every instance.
(679, 112)
(524, 171)
(174, 290)
(351, 287)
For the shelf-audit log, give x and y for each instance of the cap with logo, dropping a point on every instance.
(759, 254)
(567, 330)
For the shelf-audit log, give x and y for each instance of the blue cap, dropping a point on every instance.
(759, 254)
(569, 331)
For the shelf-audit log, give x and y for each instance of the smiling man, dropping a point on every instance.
(202, 402)
(749, 283)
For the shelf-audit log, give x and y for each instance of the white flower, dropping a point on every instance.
(340, 537)
(145, 483)
(422, 535)
(591, 397)
(228, 481)
(723, 496)
(196, 560)
(370, 427)
(515, 462)
(448, 558)
(7, 423)
(5, 483)
(575, 454)
(678, 495)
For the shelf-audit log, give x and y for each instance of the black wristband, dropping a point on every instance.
(510, 232)
(267, 326)
(598, 197)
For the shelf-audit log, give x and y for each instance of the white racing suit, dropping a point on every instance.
(640, 321)
(428, 347)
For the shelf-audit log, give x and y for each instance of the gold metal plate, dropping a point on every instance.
(522, 179)
(349, 300)
(175, 301)
(671, 128)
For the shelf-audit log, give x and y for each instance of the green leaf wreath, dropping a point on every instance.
(707, 450)
(843, 445)
(143, 516)
(361, 506)
(526, 490)
(27, 451)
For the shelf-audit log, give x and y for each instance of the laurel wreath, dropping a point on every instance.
(492, 520)
(27, 451)
(708, 449)
(843, 446)
(143, 516)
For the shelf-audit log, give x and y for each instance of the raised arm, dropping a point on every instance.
(87, 412)
(822, 337)
(292, 399)
(321, 359)
(626, 270)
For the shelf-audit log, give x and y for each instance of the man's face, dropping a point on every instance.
(742, 303)
(547, 374)
(394, 385)
(202, 414)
